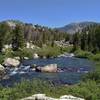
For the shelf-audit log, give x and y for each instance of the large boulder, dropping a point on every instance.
(51, 68)
(39, 97)
(9, 62)
(44, 97)
(70, 97)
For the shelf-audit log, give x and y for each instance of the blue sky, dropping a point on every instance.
(52, 13)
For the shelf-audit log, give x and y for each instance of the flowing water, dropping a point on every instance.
(76, 67)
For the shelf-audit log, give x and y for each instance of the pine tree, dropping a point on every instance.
(76, 41)
(4, 32)
(18, 38)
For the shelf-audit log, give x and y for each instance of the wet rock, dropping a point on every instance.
(51, 68)
(5, 77)
(33, 66)
(38, 69)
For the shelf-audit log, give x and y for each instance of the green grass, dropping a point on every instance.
(89, 90)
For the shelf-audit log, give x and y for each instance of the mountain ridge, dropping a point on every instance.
(70, 28)
(76, 27)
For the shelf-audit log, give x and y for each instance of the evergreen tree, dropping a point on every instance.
(76, 41)
(4, 34)
(18, 40)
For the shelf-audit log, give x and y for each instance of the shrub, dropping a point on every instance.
(49, 51)
(96, 57)
(23, 53)
(83, 54)
(92, 76)
(2, 57)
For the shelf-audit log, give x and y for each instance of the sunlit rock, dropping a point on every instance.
(48, 68)
(70, 97)
(35, 56)
(9, 62)
(44, 97)
(2, 71)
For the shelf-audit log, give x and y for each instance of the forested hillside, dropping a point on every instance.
(88, 39)
(12, 32)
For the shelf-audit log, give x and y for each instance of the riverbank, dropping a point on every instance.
(88, 88)
(60, 70)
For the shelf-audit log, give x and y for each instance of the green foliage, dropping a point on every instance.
(89, 90)
(88, 39)
(23, 53)
(76, 41)
(92, 76)
(8, 52)
(2, 57)
(49, 51)
(28, 88)
(18, 38)
(4, 35)
(83, 54)
(66, 49)
(96, 57)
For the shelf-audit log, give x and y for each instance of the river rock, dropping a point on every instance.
(70, 97)
(44, 97)
(33, 66)
(9, 62)
(35, 56)
(2, 71)
(17, 58)
(2, 68)
(26, 58)
(48, 68)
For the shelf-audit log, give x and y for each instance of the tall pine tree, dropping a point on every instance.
(18, 40)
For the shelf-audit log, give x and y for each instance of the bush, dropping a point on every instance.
(49, 51)
(96, 57)
(28, 88)
(23, 53)
(83, 54)
(92, 76)
(2, 57)
(89, 90)
(8, 52)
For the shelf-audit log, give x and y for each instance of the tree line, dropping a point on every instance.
(21, 33)
(88, 39)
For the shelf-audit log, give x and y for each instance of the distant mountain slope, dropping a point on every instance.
(75, 27)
